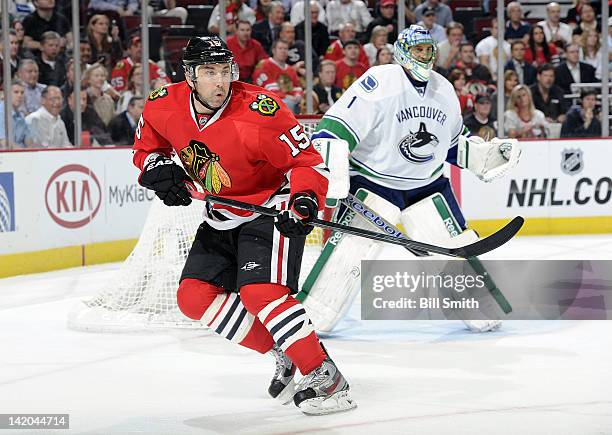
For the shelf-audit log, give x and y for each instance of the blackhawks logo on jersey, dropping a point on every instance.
(265, 105)
(158, 93)
(418, 147)
(203, 165)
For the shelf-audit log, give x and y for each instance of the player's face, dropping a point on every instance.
(422, 52)
(213, 83)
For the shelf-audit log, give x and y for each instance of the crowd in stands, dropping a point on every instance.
(541, 59)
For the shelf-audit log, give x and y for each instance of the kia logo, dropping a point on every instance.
(73, 196)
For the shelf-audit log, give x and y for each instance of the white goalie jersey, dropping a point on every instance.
(398, 138)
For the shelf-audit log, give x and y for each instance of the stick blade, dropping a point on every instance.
(492, 242)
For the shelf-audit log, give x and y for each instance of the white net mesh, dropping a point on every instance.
(142, 293)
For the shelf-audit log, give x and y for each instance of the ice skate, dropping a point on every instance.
(323, 391)
(282, 386)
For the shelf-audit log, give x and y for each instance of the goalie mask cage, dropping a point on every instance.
(141, 294)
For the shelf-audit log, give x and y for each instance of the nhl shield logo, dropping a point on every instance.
(571, 161)
(418, 147)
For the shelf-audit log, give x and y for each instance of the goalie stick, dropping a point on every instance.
(480, 247)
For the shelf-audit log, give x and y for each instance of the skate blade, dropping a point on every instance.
(337, 402)
(286, 396)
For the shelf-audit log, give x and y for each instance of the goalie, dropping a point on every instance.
(402, 122)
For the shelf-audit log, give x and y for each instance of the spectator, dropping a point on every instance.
(20, 33)
(66, 88)
(94, 78)
(590, 51)
(480, 122)
(14, 60)
(522, 119)
(42, 20)
(123, 126)
(582, 121)
(573, 14)
(588, 21)
(28, 73)
(539, 51)
(20, 8)
(85, 50)
(105, 47)
(267, 31)
(349, 69)
(134, 88)
(466, 100)
(526, 73)
(124, 8)
(547, 97)
(297, 12)
(556, 32)
(386, 18)
(297, 50)
(90, 121)
(516, 28)
(327, 91)
(234, 10)
(335, 51)
(487, 52)
(448, 51)
(320, 35)
(157, 83)
(119, 77)
(510, 81)
(347, 11)
(168, 8)
(573, 71)
(262, 9)
(444, 14)
(22, 137)
(384, 56)
(247, 51)
(275, 75)
(51, 67)
(47, 128)
(474, 72)
(428, 21)
(378, 40)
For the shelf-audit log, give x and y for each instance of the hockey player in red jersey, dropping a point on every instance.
(239, 141)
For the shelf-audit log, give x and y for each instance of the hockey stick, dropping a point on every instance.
(480, 247)
(352, 202)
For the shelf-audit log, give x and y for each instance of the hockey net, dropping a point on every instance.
(142, 293)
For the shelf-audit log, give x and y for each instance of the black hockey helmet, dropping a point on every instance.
(203, 50)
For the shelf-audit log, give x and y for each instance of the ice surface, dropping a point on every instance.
(539, 377)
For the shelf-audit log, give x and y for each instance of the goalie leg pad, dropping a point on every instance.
(286, 320)
(338, 282)
(432, 220)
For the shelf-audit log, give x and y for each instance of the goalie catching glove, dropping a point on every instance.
(303, 208)
(488, 160)
(167, 179)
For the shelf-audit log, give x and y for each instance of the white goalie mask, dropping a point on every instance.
(415, 35)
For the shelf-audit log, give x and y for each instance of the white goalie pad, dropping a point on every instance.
(338, 282)
(431, 221)
(335, 153)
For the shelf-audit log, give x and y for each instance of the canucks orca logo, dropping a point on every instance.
(418, 147)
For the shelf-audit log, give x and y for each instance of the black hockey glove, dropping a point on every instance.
(167, 179)
(294, 222)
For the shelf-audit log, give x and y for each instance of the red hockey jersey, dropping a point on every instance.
(119, 76)
(252, 149)
(336, 52)
(280, 80)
